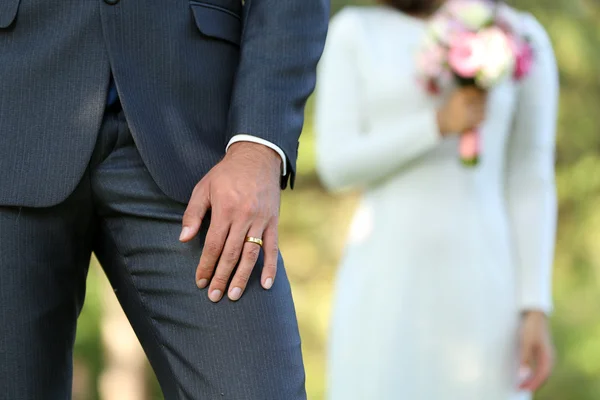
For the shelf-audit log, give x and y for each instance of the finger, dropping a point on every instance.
(543, 368)
(475, 101)
(469, 91)
(194, 214)
(525, 357)
(271, 252)
(475, 92)
(227, 262)
(484, 95)
(475, 115)
(479, 117)
(213, 247)
(480, 97)
(250, 254)
(481, 107)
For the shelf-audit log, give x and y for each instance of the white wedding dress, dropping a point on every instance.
(441, 258)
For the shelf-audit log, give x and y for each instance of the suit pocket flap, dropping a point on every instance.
(8, 12)
(217, 22)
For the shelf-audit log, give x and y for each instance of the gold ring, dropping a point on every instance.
(251, 239)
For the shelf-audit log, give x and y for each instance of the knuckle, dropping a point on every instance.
(250, 209)
(253, 252)
(228, 207)
(232, 254)
(271, 268)
(204, 268)
(272, 248)
(243, 276)
(212, 248)
(199, 194)
(267, 215)
(220, 280)
(274, 254)
(190, 213)
(197, 189)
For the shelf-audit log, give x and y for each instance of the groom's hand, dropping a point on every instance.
(243, 194)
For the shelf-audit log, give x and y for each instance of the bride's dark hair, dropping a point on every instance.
(415, 6)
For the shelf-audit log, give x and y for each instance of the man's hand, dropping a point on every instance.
(537, 353)
(243, 194)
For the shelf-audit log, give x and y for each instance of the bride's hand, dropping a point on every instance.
(463, 111)
(537, 352)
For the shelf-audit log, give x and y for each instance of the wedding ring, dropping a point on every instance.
(251, 239)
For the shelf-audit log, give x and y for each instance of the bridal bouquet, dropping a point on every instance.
(468, 42)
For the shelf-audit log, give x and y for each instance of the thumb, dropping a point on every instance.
(194, 213)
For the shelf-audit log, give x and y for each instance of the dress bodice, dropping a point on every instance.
(376, 131)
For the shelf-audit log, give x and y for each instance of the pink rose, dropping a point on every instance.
(430, 60)
(467, 54)
(524, 60)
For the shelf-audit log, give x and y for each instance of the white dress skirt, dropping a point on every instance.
(441, 258)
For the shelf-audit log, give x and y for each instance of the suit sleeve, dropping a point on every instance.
(282, 42)
(531, 193)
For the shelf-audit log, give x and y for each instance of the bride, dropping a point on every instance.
(445, 284)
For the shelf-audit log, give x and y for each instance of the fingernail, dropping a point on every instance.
(202, 283)
(268, 283)
(184, 233)
(524, 372)
(235, 294)
(215, 295)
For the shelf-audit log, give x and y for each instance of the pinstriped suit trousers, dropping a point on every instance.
(249, 350)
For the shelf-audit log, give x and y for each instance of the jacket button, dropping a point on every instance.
(111, 2)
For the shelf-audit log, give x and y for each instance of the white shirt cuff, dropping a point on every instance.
(250, 138)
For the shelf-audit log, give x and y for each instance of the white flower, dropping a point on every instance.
(474, 14)
(439, 27)
(499, 58)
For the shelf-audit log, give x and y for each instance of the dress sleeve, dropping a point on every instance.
(530, 175)
(349, 156)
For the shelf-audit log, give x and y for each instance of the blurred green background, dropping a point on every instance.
(313, 228)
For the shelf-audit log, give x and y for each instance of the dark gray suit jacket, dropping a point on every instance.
(190, 74)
